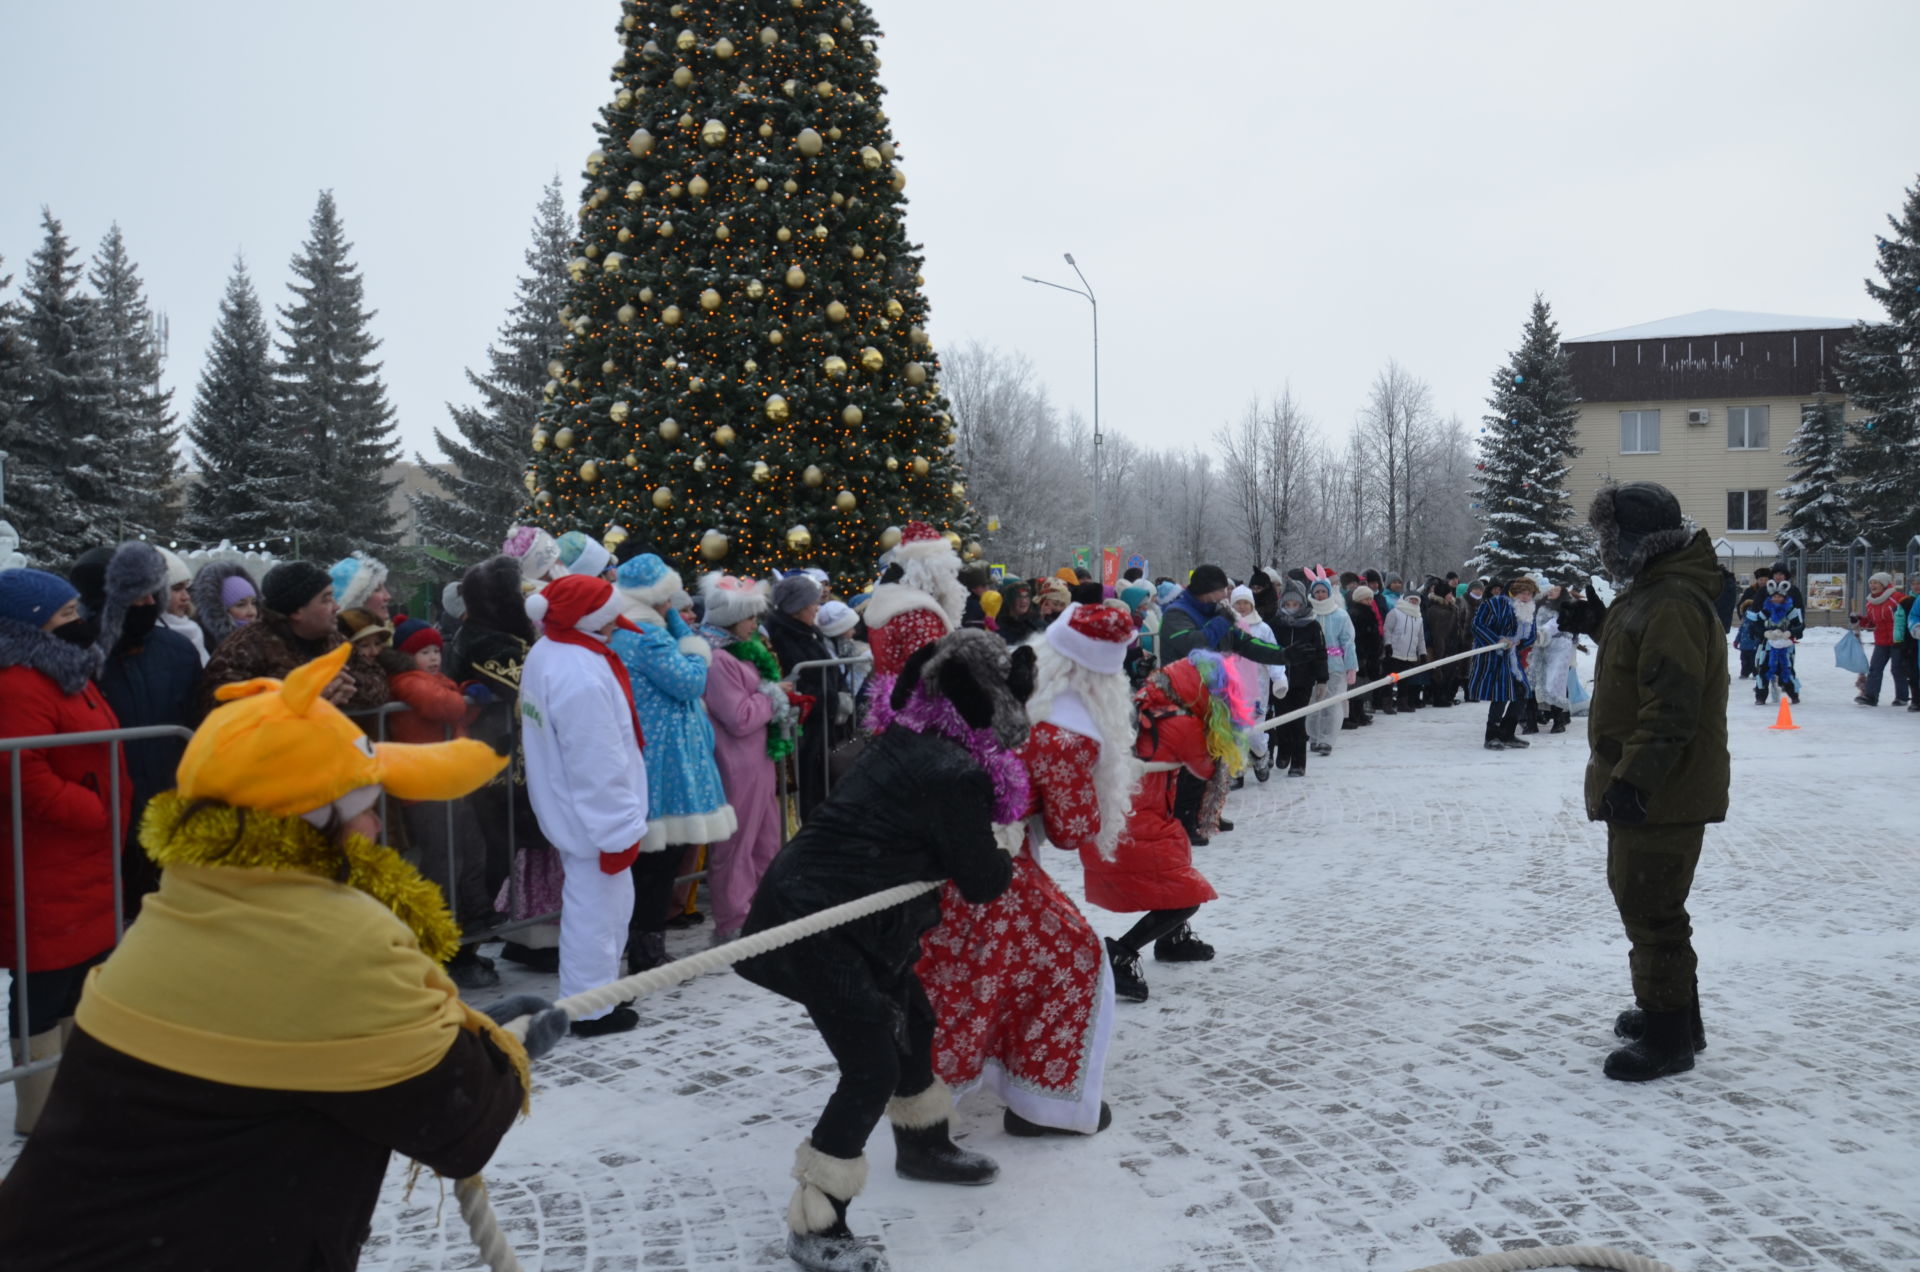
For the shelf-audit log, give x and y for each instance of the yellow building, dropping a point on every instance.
(1704, 403)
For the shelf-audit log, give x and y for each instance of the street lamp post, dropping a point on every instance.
(1086, 289)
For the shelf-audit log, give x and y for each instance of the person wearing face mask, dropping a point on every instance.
(149, 674)
(47, 665)
(296, 625)
(176, 609)
(225, 599)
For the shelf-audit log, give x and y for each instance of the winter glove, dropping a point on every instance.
(614, 862)
(476, 693)
(677, 625)
(842, 707)
(1622, 804)
(1216, 630)
(548, 1026)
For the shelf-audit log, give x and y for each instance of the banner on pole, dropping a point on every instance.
(1083, 558)
(1110, 567)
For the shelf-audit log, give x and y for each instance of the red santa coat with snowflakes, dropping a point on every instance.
(1153, 866)
(1019, 986)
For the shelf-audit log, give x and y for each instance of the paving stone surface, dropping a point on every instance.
(1393, 1062)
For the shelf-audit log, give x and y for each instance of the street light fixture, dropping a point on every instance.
(1086, 289)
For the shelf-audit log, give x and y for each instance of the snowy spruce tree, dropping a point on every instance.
(131, 354)
(66, 487)
(333, 430)
(1813, 506)
(1880, 372)
(748, 378)
(13, 385)
(485, 461)
(241, 489)
(1528, 524)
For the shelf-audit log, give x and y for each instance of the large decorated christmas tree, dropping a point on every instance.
(747, 381)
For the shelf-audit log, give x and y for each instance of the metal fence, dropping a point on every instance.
(1835, 578)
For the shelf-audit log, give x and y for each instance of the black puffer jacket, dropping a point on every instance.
(915, 806)
(1367, 639)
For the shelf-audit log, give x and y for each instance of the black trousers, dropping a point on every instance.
(52, 996)
(1503, 718)
(653, 876)
(1153, 925)
(1188, 791)
(877, 1062)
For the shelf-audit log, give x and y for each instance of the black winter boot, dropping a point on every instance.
(646, 951)
(1561, 718)
(1508, 739)
(619, 1020)
(818, 1238)
(1182, 946)
(923, 1142)
(1631, 1024)
(1665, 1046)
(1129, 986)
(1014, 1124)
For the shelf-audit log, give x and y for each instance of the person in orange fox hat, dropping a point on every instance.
(276, 1023)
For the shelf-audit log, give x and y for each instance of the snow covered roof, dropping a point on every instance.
(1714, 322)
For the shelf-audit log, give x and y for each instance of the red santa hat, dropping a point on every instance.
(582, 602)
(1094, 636)
(921, 540)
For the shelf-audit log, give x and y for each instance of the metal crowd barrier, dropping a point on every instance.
(826, 759)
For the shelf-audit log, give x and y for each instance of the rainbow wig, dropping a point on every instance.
(1229, 716)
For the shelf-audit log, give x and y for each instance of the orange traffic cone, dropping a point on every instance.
(1785, 719)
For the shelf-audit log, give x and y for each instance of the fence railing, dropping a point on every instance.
(825, 706)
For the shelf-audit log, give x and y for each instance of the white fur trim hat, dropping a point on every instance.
(921, 540)
(355, 578)
(835, 619)
(731, 600)
(1095, 636)
(647, 579)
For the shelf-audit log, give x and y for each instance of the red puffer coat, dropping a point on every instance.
(1153, 865)
(64, 793)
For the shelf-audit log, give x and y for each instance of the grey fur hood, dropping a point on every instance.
(208, 610)
(68, 666)
(136, 570)
(1624, 550)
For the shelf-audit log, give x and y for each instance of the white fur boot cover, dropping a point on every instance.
(916, 1112)
(823, 1180)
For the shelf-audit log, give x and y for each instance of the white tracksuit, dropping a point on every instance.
(588, 784)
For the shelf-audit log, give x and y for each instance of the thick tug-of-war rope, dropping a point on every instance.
(1334, 700)
(500, 1256)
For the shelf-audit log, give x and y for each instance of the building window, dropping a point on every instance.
(1747, 509)
(1639, 432)
(1746, 428)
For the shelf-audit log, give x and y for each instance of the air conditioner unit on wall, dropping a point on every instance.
(1699, 418)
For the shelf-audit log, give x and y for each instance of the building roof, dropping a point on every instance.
(1715, 322)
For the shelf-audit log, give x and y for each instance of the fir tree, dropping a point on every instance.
(130, 352)
(66, 461)
(482, 483)
(748, 377)
(240, 491)
(333, 430)
(1813, 507)
(1527, 521)
(13, 389)
(1880, 372)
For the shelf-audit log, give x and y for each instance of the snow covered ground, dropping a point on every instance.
(1394, 1061)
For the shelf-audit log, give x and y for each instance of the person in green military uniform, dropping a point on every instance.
(1658, 770)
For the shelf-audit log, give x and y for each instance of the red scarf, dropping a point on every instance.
(579, 639)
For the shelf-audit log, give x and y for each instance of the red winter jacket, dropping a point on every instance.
(1879, 619)
(64, 793)
(434, 701)
(1153, 865)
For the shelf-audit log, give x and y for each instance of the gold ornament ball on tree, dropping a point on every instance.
(529, 481)
(812, 475)
(696, 384)
(634, 190)
(890, 538)
(870, 158)
(871, 358)
(666, 229)
(713, 545)
(775, 336)
(958, 490)
(845, 501)
(713, 133)
(722, 233)
(669, 429)
(750, 367)
(540, 440)
(671, 315)
(724, 435)
(633, 459)
(916, 373)
(756, 289)
(557, 369)
(836, 366)
(710, 300)
(853, 415)
(896, 310)
(921, 467)
(699, 463)
(973, 551)
(627, 313)
(686, 39)
(564, 439)
(543, 498)
(953, 540)
(682, 77)
(615, 536)
(777, 409)
(837, 312)
(783, 234)
(589, 471)
(723, 48)
(761, 473)
(769, 37)
(766, 130)
(796, 278)
(625, 235)
(663, 498)
(698, 187)
(640, 144)
(809, 142)
(799, 539)
(893, 465)
(608, 367)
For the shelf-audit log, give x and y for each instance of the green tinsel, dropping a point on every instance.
(754, 651)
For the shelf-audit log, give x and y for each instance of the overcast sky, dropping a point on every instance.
(1261, 191)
